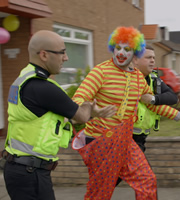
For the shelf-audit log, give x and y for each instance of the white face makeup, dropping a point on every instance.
(123, 55)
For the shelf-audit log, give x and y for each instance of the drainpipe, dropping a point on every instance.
(30, 28)
(163, 57)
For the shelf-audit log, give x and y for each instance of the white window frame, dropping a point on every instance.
(136, 3)
(72, 39)
(1, 97)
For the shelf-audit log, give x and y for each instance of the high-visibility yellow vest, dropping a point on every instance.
(146, 118)
(32, 135)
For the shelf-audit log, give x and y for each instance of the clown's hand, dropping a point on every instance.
(104, 112)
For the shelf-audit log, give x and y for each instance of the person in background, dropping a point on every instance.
(106, 145)
(162, 95)
(37, 108)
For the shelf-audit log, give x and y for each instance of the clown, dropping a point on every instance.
(125, 43)
(106, 144)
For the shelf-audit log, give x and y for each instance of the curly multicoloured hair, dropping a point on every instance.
(128, 35)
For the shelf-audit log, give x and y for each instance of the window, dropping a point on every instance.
(79, 50)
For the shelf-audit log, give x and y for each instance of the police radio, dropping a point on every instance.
(157, 90)
(156, 83)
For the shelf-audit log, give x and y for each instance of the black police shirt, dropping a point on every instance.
(41, 96)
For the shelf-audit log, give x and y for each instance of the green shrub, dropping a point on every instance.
(71, 90)
(80, 75)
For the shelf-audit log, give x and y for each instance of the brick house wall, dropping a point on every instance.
(100, 17)
(161, 60)
(165, 56)
(177, 68)
(10, 68)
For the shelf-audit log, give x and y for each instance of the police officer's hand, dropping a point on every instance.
(146, 98)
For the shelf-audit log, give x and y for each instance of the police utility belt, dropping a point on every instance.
(31, 161)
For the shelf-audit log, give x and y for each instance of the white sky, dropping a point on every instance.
(163, 13)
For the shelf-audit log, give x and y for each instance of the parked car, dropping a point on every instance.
(170, 77)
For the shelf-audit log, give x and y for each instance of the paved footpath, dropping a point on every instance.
(77, 193)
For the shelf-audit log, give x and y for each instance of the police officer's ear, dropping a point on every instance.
(43, 55)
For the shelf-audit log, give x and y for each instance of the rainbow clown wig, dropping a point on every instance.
(128, 35)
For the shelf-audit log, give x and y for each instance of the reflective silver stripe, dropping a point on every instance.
(139, 130)
(26, 148)
(147, 130)
(19, 80)
(153, 75)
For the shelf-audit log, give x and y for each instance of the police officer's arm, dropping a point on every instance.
(167, 97)
(88, 110)
(41, 96)
(83, 113)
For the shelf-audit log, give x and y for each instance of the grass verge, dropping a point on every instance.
(167, 128)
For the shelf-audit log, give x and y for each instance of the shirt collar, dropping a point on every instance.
(40, 71)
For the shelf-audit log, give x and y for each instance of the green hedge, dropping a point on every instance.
(72, 89)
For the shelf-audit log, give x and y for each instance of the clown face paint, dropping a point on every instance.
(123, 55)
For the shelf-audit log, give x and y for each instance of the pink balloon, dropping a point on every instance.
(4, 36)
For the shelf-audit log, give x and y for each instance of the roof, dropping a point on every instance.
(150, 31)
(171, 45)
(26, 8)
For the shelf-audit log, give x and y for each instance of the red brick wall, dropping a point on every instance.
(12, 66)
(163, 154)
(100, 17)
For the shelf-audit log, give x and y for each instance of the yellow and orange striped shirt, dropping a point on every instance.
(109, 84)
